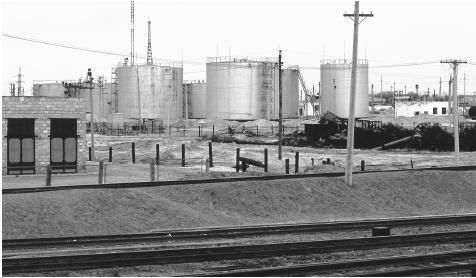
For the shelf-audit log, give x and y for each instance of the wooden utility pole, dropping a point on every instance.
(90, 81)
(351, 123)
(454, 64)
(280, 145)
(449, 101)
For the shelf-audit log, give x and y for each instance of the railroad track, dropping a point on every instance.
(215, 180)
(234, 231)
(117, 258)
(406, 265)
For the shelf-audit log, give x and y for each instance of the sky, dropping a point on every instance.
(400, 32)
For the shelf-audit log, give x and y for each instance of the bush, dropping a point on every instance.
(468, 139)
(433, 138)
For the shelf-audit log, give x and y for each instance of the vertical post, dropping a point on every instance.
(449, 101)
(184, 131)
(48, 176)
(272, 131)
(286, 165)
(351, 123)
(183, 155)
(90, 81)
(362, 165)
(280, 145)
(105, 174)
(237, 160)
(101, 171)
(133, 152)
(257, 130)
(110, 154)
(157, 155)
(89, 153)
(455, 111)
(312, 161)
(266, 160)
(152, 171)
(296, 163)
(207, 165)
(199, 131)
(213, 130)
(210, 153)
(411, 163)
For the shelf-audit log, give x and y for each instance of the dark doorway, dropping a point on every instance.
(63, 145)
(20, 146)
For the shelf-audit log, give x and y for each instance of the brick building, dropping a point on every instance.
(41, 131)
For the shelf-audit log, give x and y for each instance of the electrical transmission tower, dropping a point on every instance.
(353, 84)
(454, 65)
(149, 48)
(20, 89)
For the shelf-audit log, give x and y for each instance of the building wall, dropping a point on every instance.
(42, 109)
(409, 109)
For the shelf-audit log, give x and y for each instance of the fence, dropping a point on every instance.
(128, 129)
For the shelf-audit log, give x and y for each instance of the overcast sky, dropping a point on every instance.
(306, 31)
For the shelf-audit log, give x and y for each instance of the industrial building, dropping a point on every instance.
(104, 95)
(42, 131)
(415, 108)
(196, 101)
(335, 87)
(248, 89)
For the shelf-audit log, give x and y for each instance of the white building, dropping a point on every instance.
(415, 108)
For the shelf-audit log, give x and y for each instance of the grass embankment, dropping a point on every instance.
(107, 211)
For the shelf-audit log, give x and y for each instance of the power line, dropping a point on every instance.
(89, 49)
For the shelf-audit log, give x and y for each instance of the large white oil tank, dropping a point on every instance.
(150, 92)
(196, 92)
(247, 89)
(335, 87)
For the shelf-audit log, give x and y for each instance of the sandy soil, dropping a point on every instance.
(122, 169)
(106, 211)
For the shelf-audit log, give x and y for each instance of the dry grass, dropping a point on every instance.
(106, 211)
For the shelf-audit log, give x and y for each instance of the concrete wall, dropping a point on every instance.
(42, 109)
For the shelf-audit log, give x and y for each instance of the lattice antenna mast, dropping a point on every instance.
(149, 48)
(132, 33)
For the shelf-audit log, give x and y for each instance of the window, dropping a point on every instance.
(435, 110)
(417, 113)
(443, 110)
(20, 146)
(426, 113)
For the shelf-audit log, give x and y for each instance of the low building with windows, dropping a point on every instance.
(415, 108)
(42, 131)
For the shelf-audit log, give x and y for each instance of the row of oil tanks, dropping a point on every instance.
(236, 89)
(243, 89)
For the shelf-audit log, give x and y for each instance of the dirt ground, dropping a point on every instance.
(108, 211)
(122, 169)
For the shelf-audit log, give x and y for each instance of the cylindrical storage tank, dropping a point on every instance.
(235, 89)
(290, 87)
(150, 92)
(196, 99)
(335, 87)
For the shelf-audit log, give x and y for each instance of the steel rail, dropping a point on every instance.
(116, 258)
(332, 267)
(235, 231)
(216, 180)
